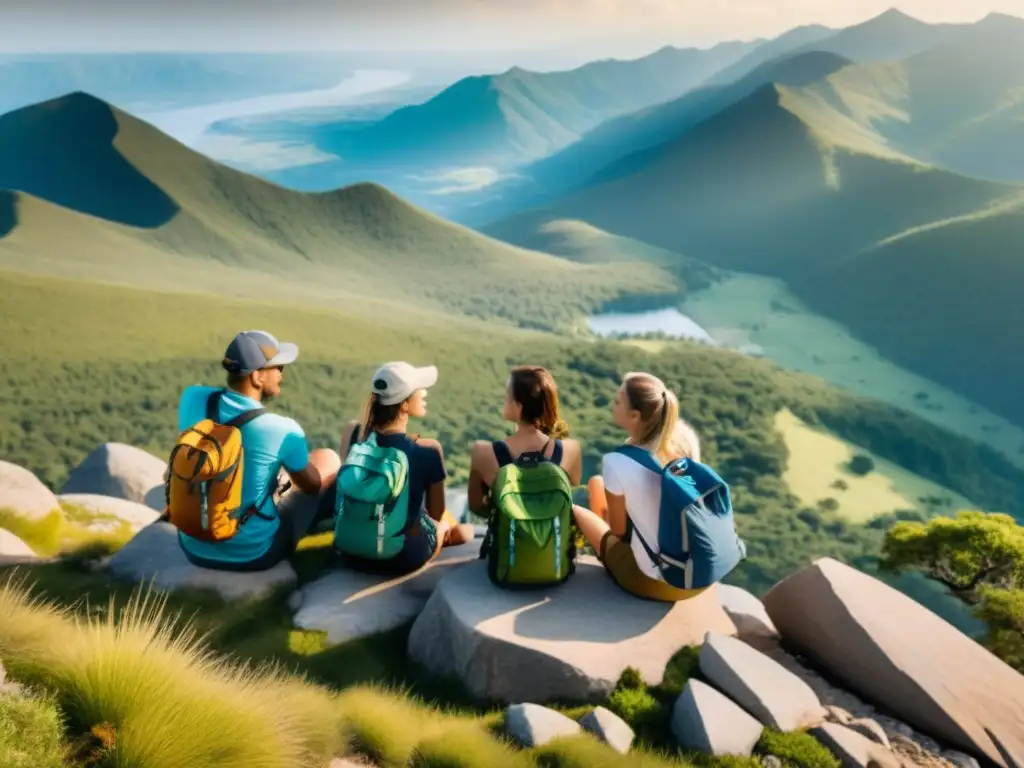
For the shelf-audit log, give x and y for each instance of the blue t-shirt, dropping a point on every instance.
(426, 467)
(270, 442)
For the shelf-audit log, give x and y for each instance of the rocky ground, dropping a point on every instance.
(871, 674)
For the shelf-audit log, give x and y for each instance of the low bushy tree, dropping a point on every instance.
(979, 558)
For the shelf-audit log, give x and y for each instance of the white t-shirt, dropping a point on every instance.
(642, 489)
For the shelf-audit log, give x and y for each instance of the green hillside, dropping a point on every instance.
(521, 115)
(106, 196)
(785, 184)
(67, 392)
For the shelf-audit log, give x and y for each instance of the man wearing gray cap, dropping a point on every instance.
(255, 363)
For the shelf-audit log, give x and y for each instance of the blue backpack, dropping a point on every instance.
(697, 542)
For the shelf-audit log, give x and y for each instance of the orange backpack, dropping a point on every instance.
(204, 477)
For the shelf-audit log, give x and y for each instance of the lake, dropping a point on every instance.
(669, 321)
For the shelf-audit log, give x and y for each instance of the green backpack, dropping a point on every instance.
(530, 541)
(372, 508)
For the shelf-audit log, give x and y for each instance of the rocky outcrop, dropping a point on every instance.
(154, 555)
(121, 471)
(853, 749)
(705, 720)
(22, 492)
(110, 512)
(609, 728)
(13, 547)
(571, 641)
(775, 696)
(348, 604)
(532, 725)
(903, 657)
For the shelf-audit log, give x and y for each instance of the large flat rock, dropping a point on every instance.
(571, 641)
(348, 604)
(121, 471)
(707, 721)
(762, 686)
(23, 493)
(747, 613)
(155, 555)
(110, 511)
(903, 658)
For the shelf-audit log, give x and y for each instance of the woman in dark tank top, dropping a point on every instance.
(531, 403)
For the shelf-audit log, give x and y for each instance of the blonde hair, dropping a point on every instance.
(662, 430)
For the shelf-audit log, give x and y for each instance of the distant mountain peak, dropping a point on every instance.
(894, 16)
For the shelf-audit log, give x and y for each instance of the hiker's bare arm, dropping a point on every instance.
(616, 513)
(436, 501)
(307, 479)
(346, 439)
(476, 498)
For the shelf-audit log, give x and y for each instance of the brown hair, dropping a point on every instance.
(662, 430)
(376, 415)
(534, 389)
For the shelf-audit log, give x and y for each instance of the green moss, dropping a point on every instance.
(797, 749)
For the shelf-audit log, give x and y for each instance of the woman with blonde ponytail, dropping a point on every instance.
(531, 403)
(629, 496)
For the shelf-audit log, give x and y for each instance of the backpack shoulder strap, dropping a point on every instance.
(501, 453)
(244, 418)
(556, 455)
(640, 456)
(213, 404)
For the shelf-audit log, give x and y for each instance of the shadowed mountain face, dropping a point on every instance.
(63, 151)
(8, 212)
(592, 159)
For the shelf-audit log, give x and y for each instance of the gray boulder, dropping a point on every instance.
(121, 471)
(13, 547)
(762, 686)
(609, 728)
(22, 492)
(705, 720)
(571, 641)
(897, 654)
(853, 749)
(155, 555)
(534, 726)
(110, 512)
(348, 604)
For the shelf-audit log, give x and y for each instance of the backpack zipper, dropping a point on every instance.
(380, 530)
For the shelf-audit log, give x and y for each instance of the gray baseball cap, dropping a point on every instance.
(395, 382)
(253, 350)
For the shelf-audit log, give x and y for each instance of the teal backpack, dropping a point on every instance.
(372, 508)
(530, 540)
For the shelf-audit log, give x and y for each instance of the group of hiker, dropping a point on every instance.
(243, 487)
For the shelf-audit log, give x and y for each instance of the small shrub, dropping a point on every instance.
(841, 485)
(861, 465)
(797, 749)
(828, 505)
(31, 732)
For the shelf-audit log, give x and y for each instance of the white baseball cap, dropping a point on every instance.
(394, 383)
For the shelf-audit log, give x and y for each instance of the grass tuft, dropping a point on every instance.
(797, 749)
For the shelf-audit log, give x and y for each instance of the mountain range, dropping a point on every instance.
(886, 194)
(96, 193)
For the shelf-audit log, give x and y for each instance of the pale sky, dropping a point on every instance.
(618, 26)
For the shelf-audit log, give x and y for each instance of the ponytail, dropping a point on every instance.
(534, 389)
(664, 433)
(374, 415)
